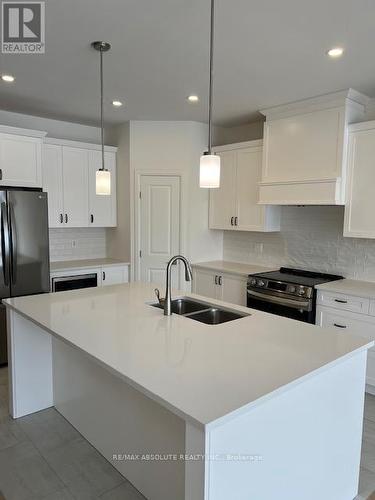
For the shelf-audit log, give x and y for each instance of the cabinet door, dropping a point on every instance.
(204, 283)
(233, 289)
(303, 147)
(250, 216)
(360, 206)
(53, 183)
(20, 161)
(75, 187)
(102, 209)
(222, 199)
(114, 275)
(359, 324)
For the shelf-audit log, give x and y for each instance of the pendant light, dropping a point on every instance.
(209, 175)
(103, 175)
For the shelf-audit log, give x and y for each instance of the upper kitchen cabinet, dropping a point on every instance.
(102, 209)
(234, 205)
(75, 163)
(360, 201)
(69, 177)
(20, 157)
(305, 148)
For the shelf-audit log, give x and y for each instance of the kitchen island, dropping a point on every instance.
(258, 408)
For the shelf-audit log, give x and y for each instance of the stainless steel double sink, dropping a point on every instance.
(202, 311)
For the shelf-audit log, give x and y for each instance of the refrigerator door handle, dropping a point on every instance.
(13, 244)
(5, 247)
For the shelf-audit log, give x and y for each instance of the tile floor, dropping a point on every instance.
(42, 457)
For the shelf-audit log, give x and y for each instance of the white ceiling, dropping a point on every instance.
(268, 52)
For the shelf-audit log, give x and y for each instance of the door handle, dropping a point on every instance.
(5, 243)
(236, 221)
(216, 279)
(92, 218)
(61, 218)
(13, 244)
(232, 221)
(103, 275)
(66, 218)
(220, 280)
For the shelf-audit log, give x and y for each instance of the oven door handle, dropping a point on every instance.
(295, 304)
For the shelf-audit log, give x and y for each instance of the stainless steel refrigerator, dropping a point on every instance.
(24, 249)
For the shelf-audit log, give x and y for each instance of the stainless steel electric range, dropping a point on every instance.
(287, 292)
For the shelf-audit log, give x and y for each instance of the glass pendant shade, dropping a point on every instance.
(103, 182)
(209, 175)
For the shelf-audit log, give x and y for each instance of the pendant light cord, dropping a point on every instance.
(101, 107)
(210, 91)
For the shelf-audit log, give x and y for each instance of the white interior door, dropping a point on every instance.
(159, 227)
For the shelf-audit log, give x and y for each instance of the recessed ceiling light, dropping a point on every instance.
(335, 52)
(7, 78)
(116, 103)
(193, 98)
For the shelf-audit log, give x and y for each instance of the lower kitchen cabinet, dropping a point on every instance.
(341, 317)
(115, 275)
(106, 274)
(221, 286)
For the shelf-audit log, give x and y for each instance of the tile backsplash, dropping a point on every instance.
(311, 237)
(77, 243)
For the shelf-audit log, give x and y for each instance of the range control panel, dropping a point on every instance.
(258, 283)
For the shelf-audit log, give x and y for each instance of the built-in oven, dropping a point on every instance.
(63, 283)
(290, 307)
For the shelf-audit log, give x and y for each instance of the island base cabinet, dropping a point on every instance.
(304, 442)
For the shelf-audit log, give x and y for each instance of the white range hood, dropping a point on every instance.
(305, 145)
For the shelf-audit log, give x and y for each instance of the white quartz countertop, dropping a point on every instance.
(350, 287)
(203, 373)
(226, 266)
(67, 265)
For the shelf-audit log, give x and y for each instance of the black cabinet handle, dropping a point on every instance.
(216, 277)
(66, 218)
(103, 275)
(220, 280)
(236, 221)
(232, 221)
(61, 218)
(339, 326)
(341, 301)
(92, 218)
(1, 174)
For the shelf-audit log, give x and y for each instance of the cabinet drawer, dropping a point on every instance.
(344, 302)
(347, 322)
